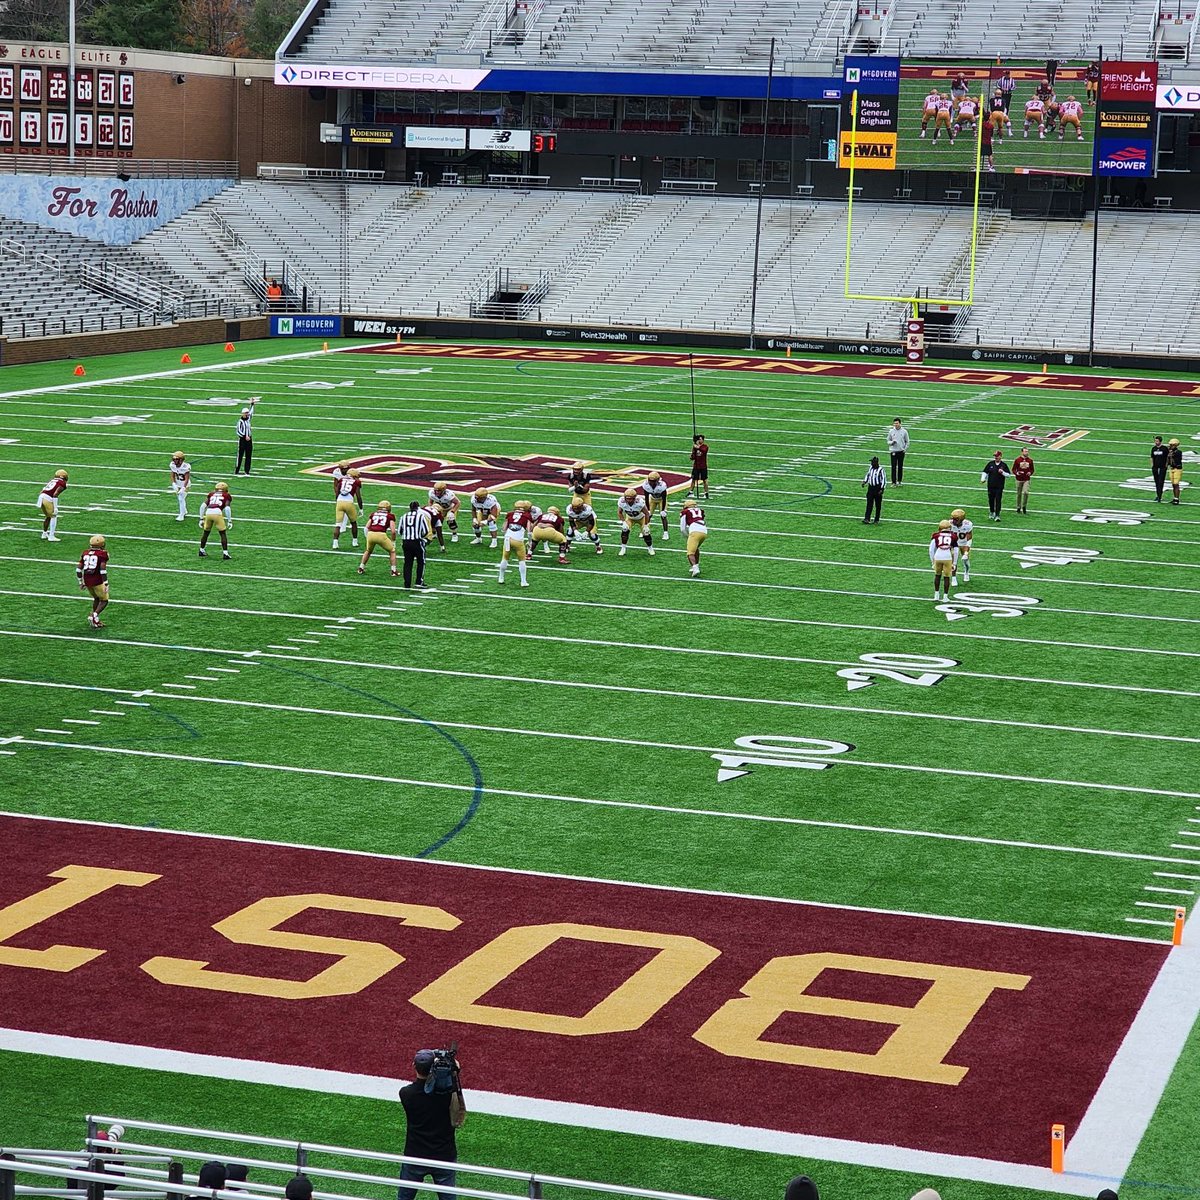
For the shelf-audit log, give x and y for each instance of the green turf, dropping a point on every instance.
(1025, 743)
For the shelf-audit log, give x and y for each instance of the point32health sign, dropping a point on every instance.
(306, 325)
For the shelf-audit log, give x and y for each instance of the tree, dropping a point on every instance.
(147, 24)
(34, 21)
(214, 27)
(268, 25)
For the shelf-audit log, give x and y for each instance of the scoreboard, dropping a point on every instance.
(35, 119)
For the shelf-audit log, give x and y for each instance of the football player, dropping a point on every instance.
(1091, 82)
(48, 503)
(964, 530)
(634, 513)
(693, 527)
(549, 530)
(579, 482)
(944, 118)
(517, 525)
(347, 492)
(181, 480)
(1071, 113)
(968, 109)
(381, 531)
(941, 555)
(998, 117)
(216, 513)
(656, 498)
(437, 515)
(929, 108)
(1035, 111)
(441, 494)
(582, 518)
(92, 573)
(485, 511)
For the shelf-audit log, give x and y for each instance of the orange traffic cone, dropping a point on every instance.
(79, 370)
(228, 347)
(187, 358)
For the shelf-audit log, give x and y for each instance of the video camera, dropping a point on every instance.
(444, 1072)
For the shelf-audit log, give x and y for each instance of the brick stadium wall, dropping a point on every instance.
(202, 332)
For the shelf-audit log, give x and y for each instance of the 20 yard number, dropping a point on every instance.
(921, 670)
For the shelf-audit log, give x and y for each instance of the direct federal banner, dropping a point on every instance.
(1126, 119)
(869, 139)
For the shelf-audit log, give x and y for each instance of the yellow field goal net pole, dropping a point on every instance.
(913, 300)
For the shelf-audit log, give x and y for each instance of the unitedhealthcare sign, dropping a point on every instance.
(1171, 98)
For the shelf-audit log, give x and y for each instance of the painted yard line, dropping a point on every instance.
(667, 810)
(639, 885)
(1171, 875)
(191, 687)
(615, 741)
(1168, 891)
(1148, 921)
(790, 587)
(78, 721)
(586, 1116)
(749, 654)
(207, 608)
(175, 372)
(106, 712)
(62, 732)
(1153, 904)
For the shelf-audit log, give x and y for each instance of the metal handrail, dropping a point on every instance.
(139, 168)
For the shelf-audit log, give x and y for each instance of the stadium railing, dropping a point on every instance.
(144, 1168)
(137, 168)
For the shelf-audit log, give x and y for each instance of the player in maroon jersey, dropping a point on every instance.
(518, 525)
(381, 531)
(48, 503)
(216, 513)
(550, 529)
(699, 465)
(695, 529)
(437, 517)
(92, 573)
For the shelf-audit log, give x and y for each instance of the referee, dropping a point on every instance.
(245, 436)
(414, 530)
(874, 481)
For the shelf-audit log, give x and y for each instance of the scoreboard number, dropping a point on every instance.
(31, 85)
(125, 89)
(31, 128)
(83, 88)
(83, 128)
(6, 127)
(106, 130)
(106, 89)
(56, 129)
(125, 132)
(6, 83)
(918, 669)
(57, 84)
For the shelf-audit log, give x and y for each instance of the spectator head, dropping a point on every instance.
(212, 1175)
(874, 460)
(801, 1188)
(299, 1187)
(423, 1062)
(236, 1173)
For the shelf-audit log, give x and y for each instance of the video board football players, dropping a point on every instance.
(550, 529)
(1035, 114)
(1091, 82)
(941, 555)
(485, 513)
(347, 492)
(381, 531)
(181, 480)
(634, 513)
(1071, 113)
(517, 526)
(47, 501)
(441, 494)
(582, 519)
(964, 530)
(944, 118)
(694, 528)
(656, 497)
(968, 110)
(92, 573)
(216, 513)
(998, 117)
(929, 109)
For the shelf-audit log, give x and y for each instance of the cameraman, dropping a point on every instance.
(432, 1113)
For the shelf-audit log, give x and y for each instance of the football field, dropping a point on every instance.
(715, 880)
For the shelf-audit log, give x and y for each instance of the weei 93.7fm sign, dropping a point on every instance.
(870, 113)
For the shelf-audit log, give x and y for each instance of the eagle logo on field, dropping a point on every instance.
(496, 472)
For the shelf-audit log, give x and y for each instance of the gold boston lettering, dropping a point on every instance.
(924, 1033)
(358, 966)
(455, 995)
(78, 884)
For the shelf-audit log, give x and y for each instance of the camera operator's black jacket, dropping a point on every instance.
(430, 1130)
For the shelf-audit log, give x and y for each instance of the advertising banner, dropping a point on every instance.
(868, 138)
(500, 139)
(1126, 119)
(429, 137)
(371, 135)
(306, 325)
(1178, 99)
(116, 212)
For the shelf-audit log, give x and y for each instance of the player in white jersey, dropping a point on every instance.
(582, 519)
(485, 513)
(347, 499)
(1070, 113)
(944, 118)
(450, 503)
(929, 109)
(1035, 114)
(968, 110)
(655, 491)
(181, 480)
(634, 513)
(965, 530)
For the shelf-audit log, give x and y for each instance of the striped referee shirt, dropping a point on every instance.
(414, 526)
(243, 425)
(874, 478)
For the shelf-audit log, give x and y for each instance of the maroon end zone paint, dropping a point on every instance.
(978, 376)
(1034, 1056)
